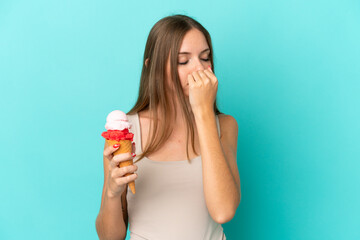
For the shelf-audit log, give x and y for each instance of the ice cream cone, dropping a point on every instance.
(117, 126)
(125, 147)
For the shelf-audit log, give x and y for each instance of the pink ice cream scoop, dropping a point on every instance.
(117, 120)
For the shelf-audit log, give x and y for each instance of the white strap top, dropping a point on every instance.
(169, 203)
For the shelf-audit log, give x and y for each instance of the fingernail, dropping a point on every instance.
(116, 145)
(133, 155)
(133, 143)
(210, 68)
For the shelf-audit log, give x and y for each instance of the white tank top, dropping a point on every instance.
(169, 203)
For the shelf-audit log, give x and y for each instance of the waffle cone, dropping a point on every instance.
(125, 147)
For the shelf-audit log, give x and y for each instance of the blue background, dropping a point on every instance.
(288, 72)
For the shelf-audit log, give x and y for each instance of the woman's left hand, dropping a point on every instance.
(202, 90)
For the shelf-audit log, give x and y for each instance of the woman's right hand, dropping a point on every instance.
(117, 182)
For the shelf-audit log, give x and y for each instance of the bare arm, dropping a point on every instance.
(220, 174)
(111, 222)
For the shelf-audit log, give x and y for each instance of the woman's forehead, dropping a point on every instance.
(194, 42)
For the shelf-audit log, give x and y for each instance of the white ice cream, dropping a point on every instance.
(117, 120)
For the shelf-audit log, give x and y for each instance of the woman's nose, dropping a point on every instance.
(199, 65)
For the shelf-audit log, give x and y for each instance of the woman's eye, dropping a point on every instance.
(183, 63)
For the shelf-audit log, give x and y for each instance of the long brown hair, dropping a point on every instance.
(164, 41)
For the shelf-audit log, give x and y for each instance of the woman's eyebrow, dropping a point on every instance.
(200, 52)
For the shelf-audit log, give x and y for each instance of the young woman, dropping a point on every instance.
(187, 180)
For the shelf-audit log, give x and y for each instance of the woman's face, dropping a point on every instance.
(193, 56)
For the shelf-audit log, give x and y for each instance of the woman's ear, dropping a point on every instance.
(147, 62)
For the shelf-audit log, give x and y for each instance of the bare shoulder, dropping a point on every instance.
(228, 124)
